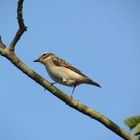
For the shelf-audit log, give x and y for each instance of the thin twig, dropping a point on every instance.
(2, 45)
(22, 27)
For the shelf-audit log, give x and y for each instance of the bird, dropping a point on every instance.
(63, 72)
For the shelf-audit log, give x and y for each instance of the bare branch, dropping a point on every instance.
(22, 27)
(67, 99)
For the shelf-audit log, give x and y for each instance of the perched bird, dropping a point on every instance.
(62, 72)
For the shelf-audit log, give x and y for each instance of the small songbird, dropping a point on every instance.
(62, 72)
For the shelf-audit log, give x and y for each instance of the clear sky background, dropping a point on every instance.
(101, 38)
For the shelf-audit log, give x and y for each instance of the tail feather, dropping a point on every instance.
(93, 83)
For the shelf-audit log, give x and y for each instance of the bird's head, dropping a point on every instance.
(44, 58)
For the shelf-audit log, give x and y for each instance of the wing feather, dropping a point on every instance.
(60, 62)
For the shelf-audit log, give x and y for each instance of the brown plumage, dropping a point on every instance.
(62, 72)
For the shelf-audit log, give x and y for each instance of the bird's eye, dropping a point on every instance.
(43, 54)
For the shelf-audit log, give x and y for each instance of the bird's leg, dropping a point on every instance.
(73, 91)
(53, 83)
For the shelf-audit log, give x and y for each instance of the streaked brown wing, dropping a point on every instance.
(60, 62)
(56, 62)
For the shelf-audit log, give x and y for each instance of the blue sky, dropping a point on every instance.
(101, 38)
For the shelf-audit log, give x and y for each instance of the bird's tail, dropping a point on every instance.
(89, 81)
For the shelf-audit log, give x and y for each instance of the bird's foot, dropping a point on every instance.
(71, 97)
(53, 83)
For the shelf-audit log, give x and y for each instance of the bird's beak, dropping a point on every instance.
(37, 60)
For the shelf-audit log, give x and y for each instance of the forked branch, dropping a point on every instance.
(22, 27)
